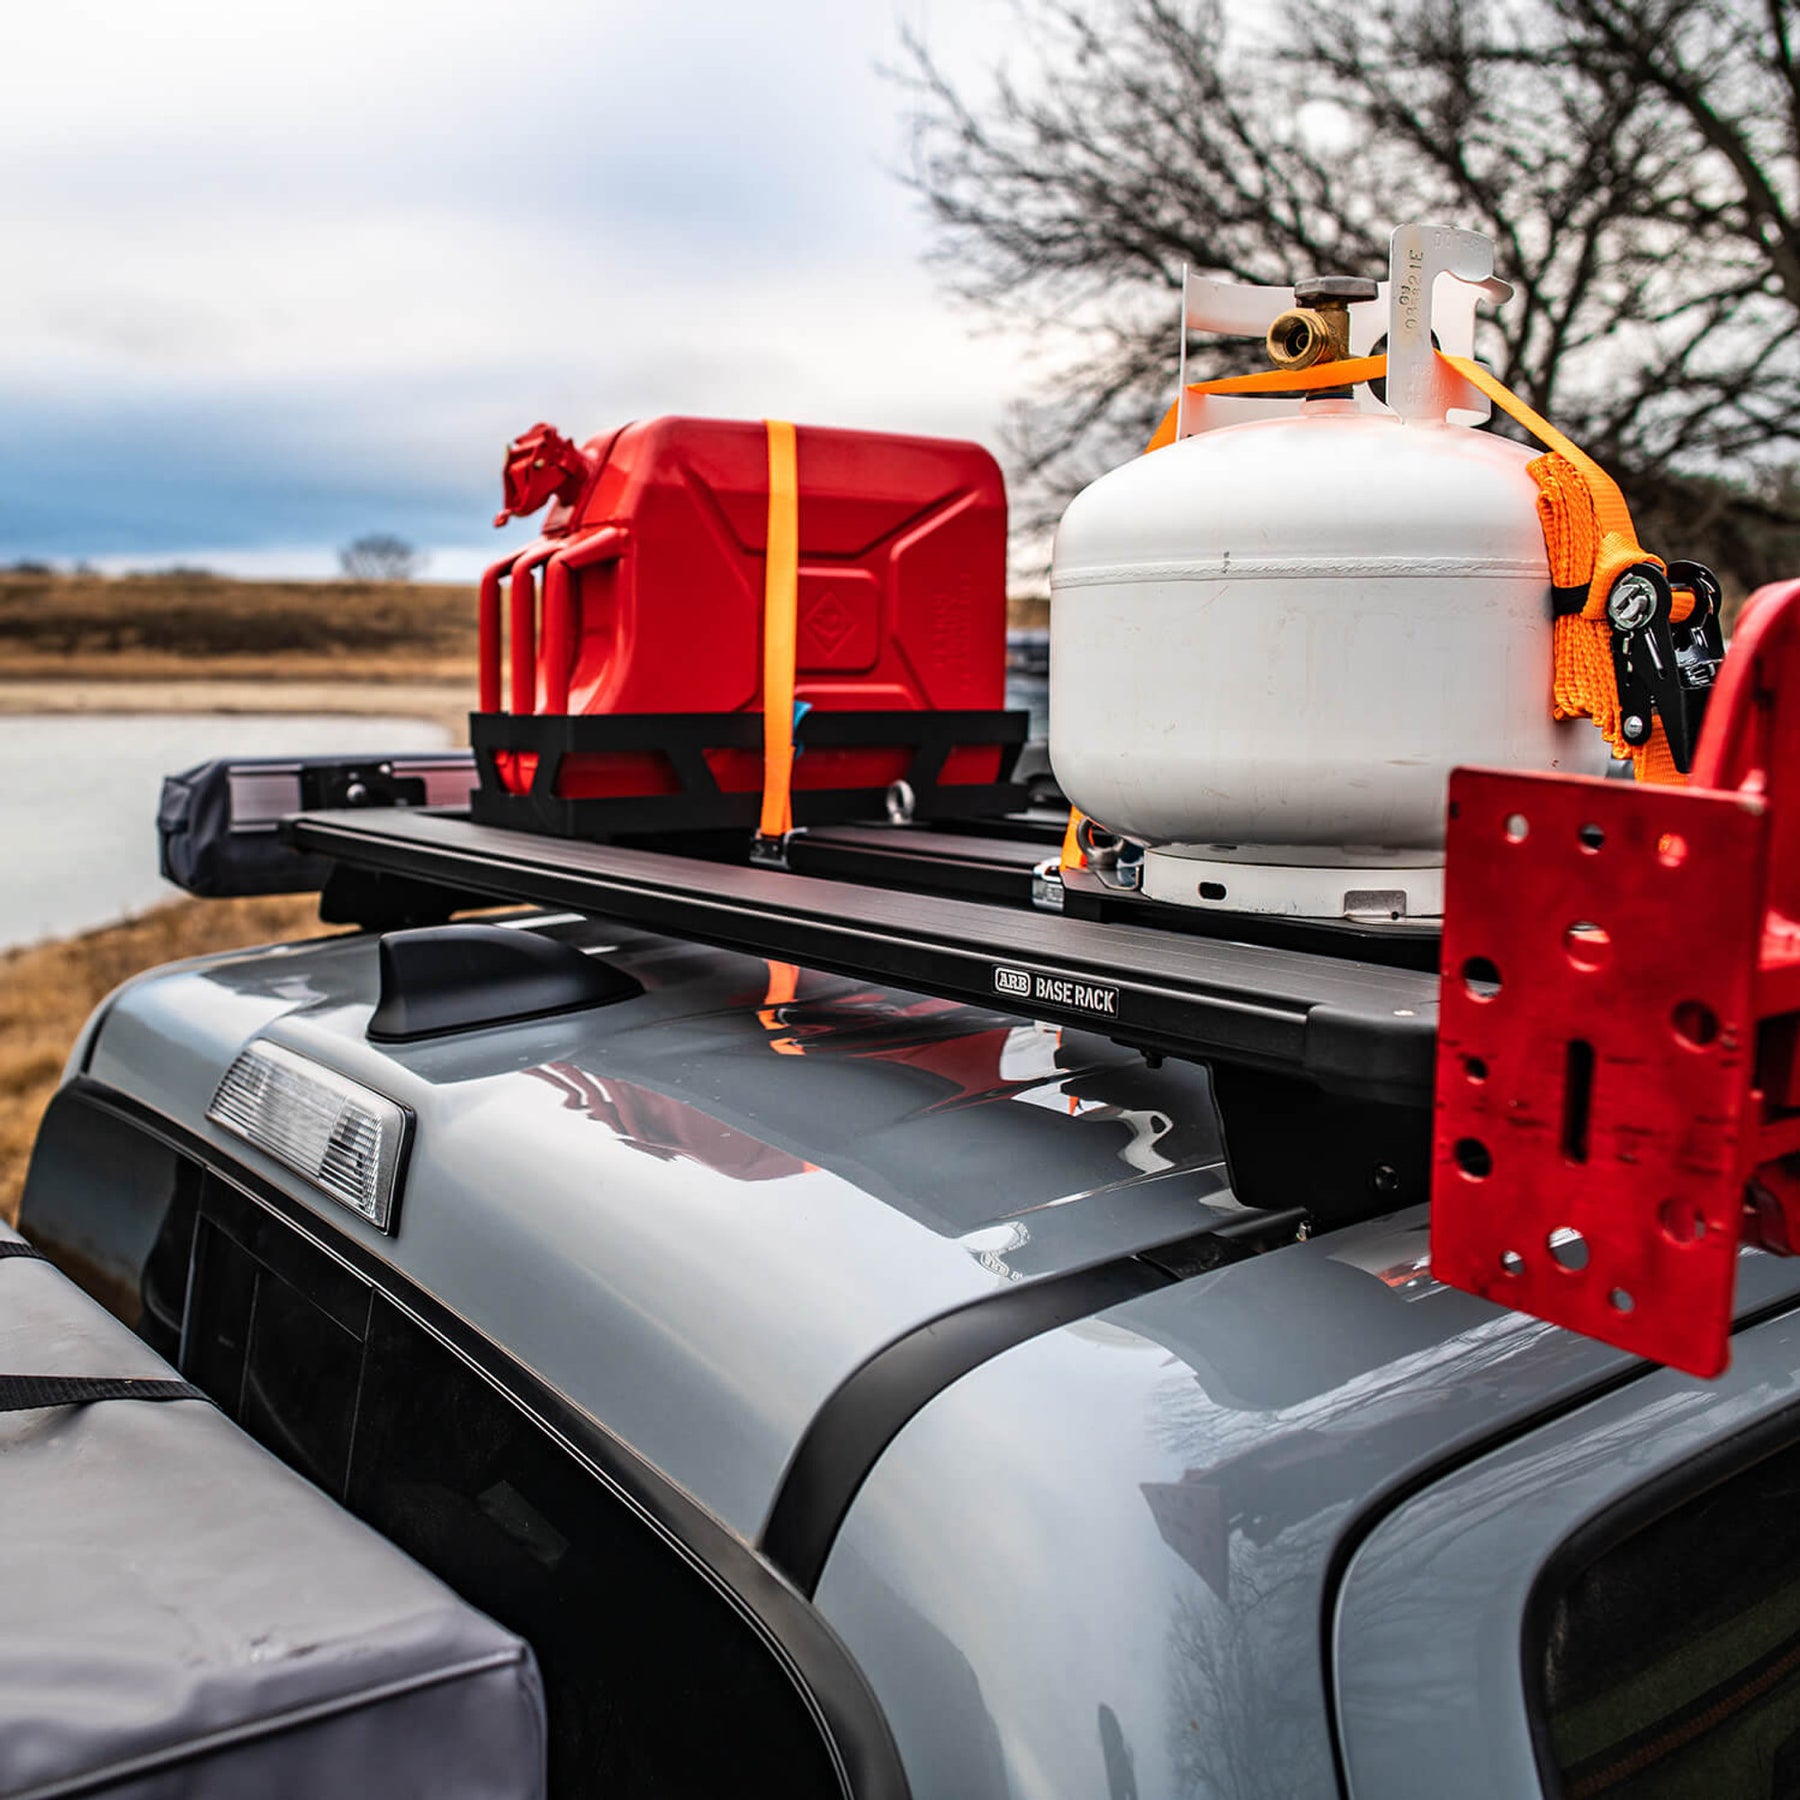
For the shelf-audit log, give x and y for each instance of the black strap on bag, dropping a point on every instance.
(26, 1393)
(29, 1393)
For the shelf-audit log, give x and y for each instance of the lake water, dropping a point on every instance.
(78, 798)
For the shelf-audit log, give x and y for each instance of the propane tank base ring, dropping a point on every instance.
(1408, 895)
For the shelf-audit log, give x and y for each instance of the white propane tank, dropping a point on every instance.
(1272, 640)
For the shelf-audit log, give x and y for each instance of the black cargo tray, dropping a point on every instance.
(1349, 1027)
(681, 740)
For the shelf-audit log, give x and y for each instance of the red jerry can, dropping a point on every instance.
(652, 595)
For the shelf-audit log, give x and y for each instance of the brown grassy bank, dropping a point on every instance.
(46, 992)
(157, 627)
(152, 627)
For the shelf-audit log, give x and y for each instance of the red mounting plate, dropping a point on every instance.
(1601, 1109)
(1585, 1167)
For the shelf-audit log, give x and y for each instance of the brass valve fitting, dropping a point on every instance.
(1304, 335)
(1317, 329)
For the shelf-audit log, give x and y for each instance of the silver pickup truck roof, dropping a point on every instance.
(1120, 1460)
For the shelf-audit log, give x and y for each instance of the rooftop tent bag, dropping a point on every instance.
(180, 1613)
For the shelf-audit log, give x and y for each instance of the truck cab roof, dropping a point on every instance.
(938, 1338)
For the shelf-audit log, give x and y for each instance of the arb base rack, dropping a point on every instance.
(1601, 1089)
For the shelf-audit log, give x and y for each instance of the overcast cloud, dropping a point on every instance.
(280, 274)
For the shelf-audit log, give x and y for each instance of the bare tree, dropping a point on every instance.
(1638, 165)
(381, 556)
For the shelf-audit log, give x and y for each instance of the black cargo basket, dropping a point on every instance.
(700, 804)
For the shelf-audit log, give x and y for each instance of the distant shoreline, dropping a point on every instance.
(445, 703)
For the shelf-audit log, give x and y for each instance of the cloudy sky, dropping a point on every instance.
(281, 272)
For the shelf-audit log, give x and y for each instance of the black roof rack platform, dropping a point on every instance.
(1351, 1028)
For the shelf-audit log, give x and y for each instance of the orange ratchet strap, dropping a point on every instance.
(781, 585)
(1274, 383)
(1588, 536)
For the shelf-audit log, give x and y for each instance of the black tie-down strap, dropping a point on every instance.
(26, 1393)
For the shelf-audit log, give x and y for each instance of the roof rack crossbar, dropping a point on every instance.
(1352, 1028)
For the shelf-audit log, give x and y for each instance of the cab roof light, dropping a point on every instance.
(344, 1139)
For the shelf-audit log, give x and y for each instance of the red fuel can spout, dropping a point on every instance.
(1618, 1089)
(541, 465)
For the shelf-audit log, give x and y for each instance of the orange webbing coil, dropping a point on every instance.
(1586, 685)
(781, 589)
(1590, 541)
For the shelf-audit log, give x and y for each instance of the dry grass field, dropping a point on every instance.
(48, 990)
(154, 627)
(197, 626)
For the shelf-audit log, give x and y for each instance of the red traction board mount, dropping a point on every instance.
(1618, 1089)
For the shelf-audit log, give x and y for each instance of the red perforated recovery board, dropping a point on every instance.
(1595, 1031)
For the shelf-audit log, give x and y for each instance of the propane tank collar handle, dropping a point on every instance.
(1419, 386)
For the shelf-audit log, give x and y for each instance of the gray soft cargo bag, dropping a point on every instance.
(216, 826)
(181, 1615)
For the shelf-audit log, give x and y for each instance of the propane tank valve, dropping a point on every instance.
(1316, 329)
(1302, 336)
